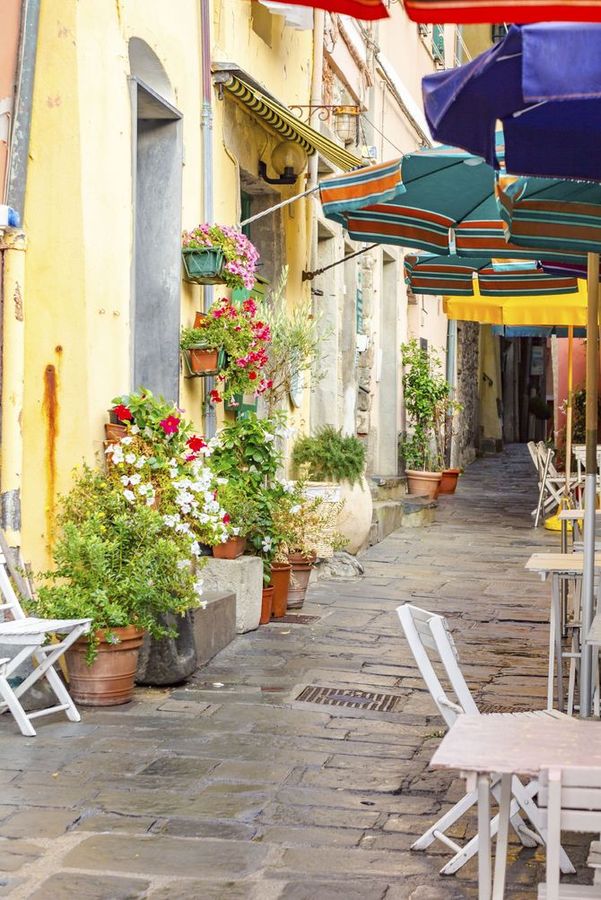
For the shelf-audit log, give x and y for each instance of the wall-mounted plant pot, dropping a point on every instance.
(231, 549)
(425, 484)
(280, 580)
(199, 318)
(266, 605)
(202, 362)
(203, 265)
(114, 433)
(448, 483)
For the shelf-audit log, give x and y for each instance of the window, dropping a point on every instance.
(438, 43)
(498, 32)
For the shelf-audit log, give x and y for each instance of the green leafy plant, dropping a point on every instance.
(579, 415)
(296, 334)
(427, 403)
(539, 407)
(115, 563)
(240, 505)
(330, 456)
(247, 450)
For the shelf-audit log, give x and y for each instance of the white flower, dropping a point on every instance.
(134, 429)
(145, 489)
(126, 441)
(198, 587)
(183, 564)
(266, 544)
(195, 548)
(288, 486)
(130, 458)
(129, 495)
(236, 531)
(183, 528)
(148, 431)
(172, 473)
(268, 437)
(170, 521)
(295, 509)
(140, 462)
(124, 480)
(135, 479)
(149, 501)
(117, 455)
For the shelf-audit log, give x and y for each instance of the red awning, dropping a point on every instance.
(483, 11)
(359, 9)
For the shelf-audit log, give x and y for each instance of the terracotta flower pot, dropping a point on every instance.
(300, 574)
(109, 681)
(231, 549)
(266, 605)
(203, 360)
(114, 433)
(199, 319)
(280, 580)
(448, 483)
(426, 484)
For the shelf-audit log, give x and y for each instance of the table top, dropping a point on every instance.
(559, 562)
(571, 515)
(521, 744)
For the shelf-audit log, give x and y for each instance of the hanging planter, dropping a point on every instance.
(202, 362)
(203, 265)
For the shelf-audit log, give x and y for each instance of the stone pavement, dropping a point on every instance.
(231, 788)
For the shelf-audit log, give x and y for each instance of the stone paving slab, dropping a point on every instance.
(230, 788)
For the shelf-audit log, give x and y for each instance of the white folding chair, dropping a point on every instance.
(28, 636)
(428, 633)
(571, 801)
(551, 483)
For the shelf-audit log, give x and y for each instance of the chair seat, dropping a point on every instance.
(522, 714)
(573, 892)
(34, 626)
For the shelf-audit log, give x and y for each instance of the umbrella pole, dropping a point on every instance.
(590, 482)
(569, 413)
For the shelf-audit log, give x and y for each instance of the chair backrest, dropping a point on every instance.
(431, 641)
(9, 601)
(533, 450)
(572, 798)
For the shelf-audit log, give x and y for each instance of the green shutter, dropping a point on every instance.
(438, 43)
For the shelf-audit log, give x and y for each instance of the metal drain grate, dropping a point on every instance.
(357, 699)
(299, 620)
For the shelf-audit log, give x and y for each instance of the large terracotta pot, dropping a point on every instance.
(355, 518)
(448, 482)
(109, 681)
(266, 605)
(426, 484)
(231, 549)
(280, 581)
(300, 574)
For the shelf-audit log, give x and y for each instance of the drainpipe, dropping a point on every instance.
(206, 132)
(12, 289)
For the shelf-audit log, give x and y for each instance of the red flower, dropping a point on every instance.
(215, 396)
(226, 519)
(123, 413)
(252, 376)
(170, 425)
(195, 443)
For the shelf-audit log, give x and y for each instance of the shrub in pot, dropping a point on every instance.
(331, 458)
(120, 565)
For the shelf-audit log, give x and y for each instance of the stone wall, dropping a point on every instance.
(465, 441)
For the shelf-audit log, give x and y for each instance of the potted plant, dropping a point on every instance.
(234, 339)
(219, 254)
(118, 564)
(239, 506)
(427, 399)
(337, 463)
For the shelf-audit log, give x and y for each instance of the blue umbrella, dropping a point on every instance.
(543, 82)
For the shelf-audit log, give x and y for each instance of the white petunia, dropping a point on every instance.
(266, 544)
(126, 441)
(129, 495)
(170, 521)
(130, 458)
(124, 480)
(134, 429)
(148, 432)
(141, 460)
(195, 548)
(135, 479)
(295, 509)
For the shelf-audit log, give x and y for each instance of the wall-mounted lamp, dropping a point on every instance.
(288, 159)
(346, 123)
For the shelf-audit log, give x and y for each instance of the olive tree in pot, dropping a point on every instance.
(118, 564)
(335, 463)
(427, 399)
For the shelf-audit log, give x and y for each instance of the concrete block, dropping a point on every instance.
(388, 487)
(242, 577)
(214, 626)
(388, 514)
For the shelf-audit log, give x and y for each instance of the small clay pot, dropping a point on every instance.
(114, 432)
(280, 580)
(199, 319)
(231, 549)
(109, 681)
(266, 605)
(448, 483)
(203, 360)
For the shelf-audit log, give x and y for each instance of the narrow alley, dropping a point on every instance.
(233, 787)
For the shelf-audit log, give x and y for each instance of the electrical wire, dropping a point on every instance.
(381, 133)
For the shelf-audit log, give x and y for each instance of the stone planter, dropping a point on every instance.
(425, 484)
(169, 660)
(448, 482)
(355, 517)
(109, 681)
(300, 574)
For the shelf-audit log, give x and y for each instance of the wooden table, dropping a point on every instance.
(558, 566)
(481, 746)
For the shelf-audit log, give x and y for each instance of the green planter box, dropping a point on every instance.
(246, 403)
(203, 266)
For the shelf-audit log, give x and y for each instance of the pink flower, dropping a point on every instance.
(170, 425)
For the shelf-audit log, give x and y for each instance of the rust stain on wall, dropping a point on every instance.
(50, 409)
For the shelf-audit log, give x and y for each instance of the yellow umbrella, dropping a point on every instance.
(546, 310)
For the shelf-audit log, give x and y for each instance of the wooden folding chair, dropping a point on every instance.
(428, 633)
(571, 801)
(28, 636)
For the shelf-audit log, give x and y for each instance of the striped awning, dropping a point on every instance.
(464, 12)
(282, 121)
(455, 276)
(554, 309)
(441, 200)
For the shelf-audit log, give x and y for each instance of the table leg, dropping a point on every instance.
(484, 862)
(498, 890)
(556, 617)
(551, 671)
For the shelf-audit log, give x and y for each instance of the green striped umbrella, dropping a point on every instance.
(441, 200)
(456, 276)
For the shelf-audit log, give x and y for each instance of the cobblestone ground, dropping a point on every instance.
(232, 788)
